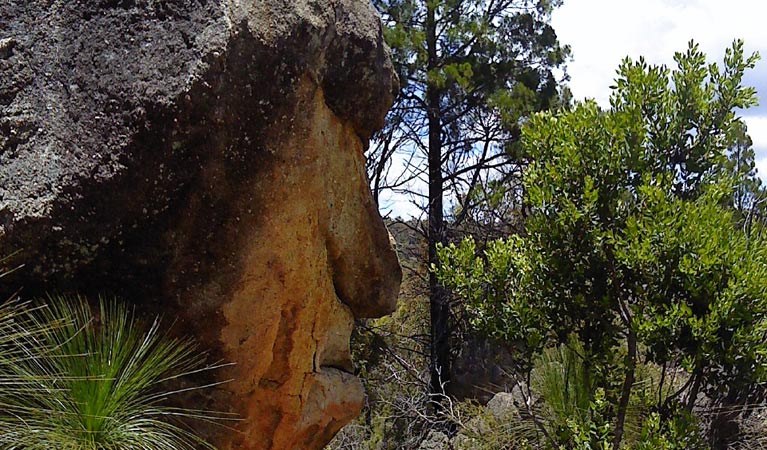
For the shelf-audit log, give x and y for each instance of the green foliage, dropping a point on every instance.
(564, 410)
(475, 69)
(749, 196)
(562, 380)
(634, 237)
(470, 71)
(96, 380)
(496, 289)
(11, 318)
(703, 285)
(680, 432)
(479, 44)
(595, 433)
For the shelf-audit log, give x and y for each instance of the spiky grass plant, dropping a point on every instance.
(15, 327)
(561, 402)
(101, 383)
(560, 378)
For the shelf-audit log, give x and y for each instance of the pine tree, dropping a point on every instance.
(470, 71)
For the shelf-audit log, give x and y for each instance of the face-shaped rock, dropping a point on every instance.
(203, 159)
(310, 253)
(327, 258)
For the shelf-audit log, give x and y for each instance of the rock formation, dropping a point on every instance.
(204, 159)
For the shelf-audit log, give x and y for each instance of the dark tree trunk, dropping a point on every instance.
(439, 366)
(692, 396)
(628, 383)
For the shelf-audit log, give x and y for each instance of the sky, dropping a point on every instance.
(602, 32)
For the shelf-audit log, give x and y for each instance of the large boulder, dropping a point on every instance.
(203, 159)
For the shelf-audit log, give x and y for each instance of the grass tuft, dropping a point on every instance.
(95, 380)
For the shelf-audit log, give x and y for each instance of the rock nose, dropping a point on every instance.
(364, 264)
(370, 287)
(366, 269)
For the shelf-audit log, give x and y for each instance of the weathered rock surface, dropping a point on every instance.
(203, 159)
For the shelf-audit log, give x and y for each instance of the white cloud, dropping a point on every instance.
(397, 203)
(761, 168)
(757, 129)
(398, 206)
(603, 32)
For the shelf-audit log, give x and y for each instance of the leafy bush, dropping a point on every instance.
(634, 242)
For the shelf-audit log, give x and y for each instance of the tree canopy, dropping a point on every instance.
(636, 242)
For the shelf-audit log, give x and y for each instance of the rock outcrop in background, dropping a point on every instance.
(204, 159)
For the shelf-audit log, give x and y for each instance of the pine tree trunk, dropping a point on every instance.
(439, 367)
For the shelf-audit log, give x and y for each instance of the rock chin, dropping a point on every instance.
(204, 159)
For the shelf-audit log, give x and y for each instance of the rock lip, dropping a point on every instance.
(203, 159)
